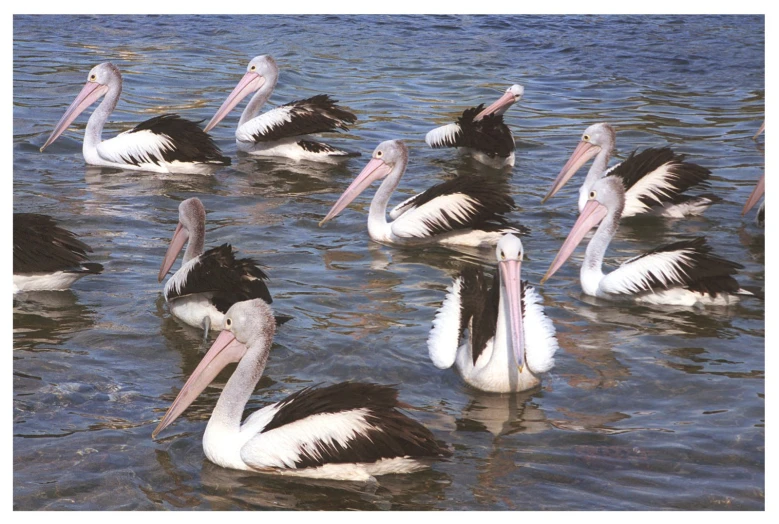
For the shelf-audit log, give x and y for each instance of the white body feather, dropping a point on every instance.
(57, 281)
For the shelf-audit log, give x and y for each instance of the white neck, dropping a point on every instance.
(258, 100)
(597, 169)
(196, 243)
(94, 132)
(592, 268)
(378, 227)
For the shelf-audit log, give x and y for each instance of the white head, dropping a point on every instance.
(192, 224)
(511, 96)
(385, 158)
(262, 70)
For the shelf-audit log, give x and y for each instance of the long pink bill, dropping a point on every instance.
(753, 199)
(376, 169)
(88, 95)
(583, 152)
(250, 83)
(180, 237)
(759, 131)
(499, 106)
(591, 216)
(225, 350)
(510, 273)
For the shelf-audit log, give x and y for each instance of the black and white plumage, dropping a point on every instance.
(209, 282)
(348, 431)
(468, 210)
(163, 144)
(283, 131)
(683, 273)
(655, 180)
(497, 336)
(481, 132)
(46, 256)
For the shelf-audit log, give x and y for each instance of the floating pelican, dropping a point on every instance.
(47, 257)
(348, 431)
(163, 144)
(481, 132)
(683, 273)
(467, 210)
(499, 337)
(758, 192)
(283, 131)
(654, 180)
(207, 283)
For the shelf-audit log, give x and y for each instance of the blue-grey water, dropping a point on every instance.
(646, 408)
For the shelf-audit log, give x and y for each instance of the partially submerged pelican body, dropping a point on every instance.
(481, 133)
(497, 337)
(655, 181)
(283, 131)
(348, 431)
(163, 144)
(467, 211)
(684, 273)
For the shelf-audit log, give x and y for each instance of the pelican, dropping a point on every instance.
(163, 144)
(46, 256)
(283, 131)
(348, 431)
(207, 283)
(683, 273)
(481, 132)
(654, 180)
(757, 192)
(467, 210)
(498, 337)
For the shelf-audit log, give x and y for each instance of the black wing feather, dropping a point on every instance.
(685, 174)
(318, 114)
(228, 278)
(392, 434)
(190, 142)
(40, 246)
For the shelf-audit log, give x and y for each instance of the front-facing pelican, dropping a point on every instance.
(163, 144)
(467, 210)
(207, 283)
(348, 431)
(655, 181)
(683, 273)
(481, 132)
(499, 338)
(283, 131)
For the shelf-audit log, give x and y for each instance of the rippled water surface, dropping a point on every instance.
(646, 408)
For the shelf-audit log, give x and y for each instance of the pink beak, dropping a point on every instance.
(180, 237)
(225, 350)
(758, 192)
(250, 83)
(499, 106)
(88, 95)
(590, 217)
(376, 169)
(510, 280)
(759, 131)
(583, 152)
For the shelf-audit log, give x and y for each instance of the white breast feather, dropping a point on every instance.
(141, 145)
(179, 279)
(443, 136)
(413, 222)
(444, 338)
(282, 447)
(540, 335)
(634, 275)
(656, 184)
(264, 123)
(400, 208)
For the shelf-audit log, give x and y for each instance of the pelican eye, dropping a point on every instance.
(586, 138)
(502, 255)
(378, 154)
(229, 323)
(252, 68)
(593, 194)
(93, 77)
